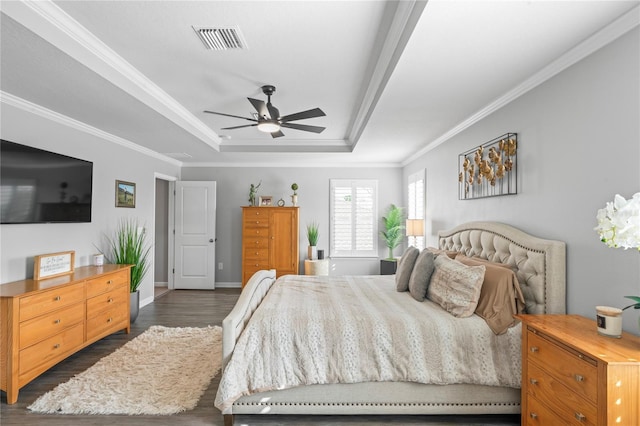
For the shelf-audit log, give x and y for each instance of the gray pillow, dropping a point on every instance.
(421, 275)
(405, 266)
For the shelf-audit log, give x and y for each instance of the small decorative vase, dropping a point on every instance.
(312, 252)
(294, 200)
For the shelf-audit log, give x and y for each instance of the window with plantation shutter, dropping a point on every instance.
(354, 227)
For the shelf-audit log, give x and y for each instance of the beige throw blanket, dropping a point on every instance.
(350, 329)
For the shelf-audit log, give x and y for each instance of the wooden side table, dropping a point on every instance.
(316, 267)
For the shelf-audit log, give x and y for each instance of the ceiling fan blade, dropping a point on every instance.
(273, 111)
(312, 113)
(230, 115)
(306, 128)
(277, 134)
(239, 127)
(261, 107)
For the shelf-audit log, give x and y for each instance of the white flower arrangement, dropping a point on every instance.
(619, 222)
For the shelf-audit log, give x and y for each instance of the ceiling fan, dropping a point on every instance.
(269, 120)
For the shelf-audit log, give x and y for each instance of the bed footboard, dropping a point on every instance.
(251, 296)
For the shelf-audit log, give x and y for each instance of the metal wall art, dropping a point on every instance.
(490, 169)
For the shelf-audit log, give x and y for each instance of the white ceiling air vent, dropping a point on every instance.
(221, 38)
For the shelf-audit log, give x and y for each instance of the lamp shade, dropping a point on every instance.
(415, 227)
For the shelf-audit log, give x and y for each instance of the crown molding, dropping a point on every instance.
(15, 101)
(606, 35)
(53, 24)
(293, 165)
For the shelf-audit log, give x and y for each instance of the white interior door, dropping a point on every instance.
(195, 235)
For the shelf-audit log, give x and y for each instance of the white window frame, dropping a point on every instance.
(416, 203)
(354, 184)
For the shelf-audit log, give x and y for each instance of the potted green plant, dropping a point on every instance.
(294, 196)
(129, 247)
(392, 236)
(312, 238)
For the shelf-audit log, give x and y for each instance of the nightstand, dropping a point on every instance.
(573, 375)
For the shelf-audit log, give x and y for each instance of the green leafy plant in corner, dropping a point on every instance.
(129, 247)
(393, 228)
(312, 233)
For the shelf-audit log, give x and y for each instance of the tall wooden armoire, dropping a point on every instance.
(270, 240)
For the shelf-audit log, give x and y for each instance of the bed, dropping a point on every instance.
(539, 265)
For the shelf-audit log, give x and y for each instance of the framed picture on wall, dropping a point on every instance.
(125, 194)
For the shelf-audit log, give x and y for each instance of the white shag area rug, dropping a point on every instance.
(163, 371)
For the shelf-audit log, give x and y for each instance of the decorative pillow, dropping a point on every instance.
(500, 298)
(456, 287)
(448, 253)
(405, 266)
(421, 275)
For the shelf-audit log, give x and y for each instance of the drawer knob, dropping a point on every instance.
(533, 415)
(578, 378)
(57, 321)
(109, 282)
(257, 221)
(56, 346)
(580, 417)
(109, 319)
(534, 349)
(110, 300)
(57, 298)
(533, 381)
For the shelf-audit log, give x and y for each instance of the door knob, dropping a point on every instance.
(210, 240)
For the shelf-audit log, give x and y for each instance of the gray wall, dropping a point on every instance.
(313, 199)
(579, 144)
(20, 243)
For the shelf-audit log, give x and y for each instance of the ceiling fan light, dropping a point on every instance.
(269, 126)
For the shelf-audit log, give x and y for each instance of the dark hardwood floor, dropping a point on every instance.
(189, 308)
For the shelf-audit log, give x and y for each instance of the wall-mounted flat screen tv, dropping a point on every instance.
(39, 186)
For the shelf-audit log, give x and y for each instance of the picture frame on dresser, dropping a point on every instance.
(265, 200)
(53, 264)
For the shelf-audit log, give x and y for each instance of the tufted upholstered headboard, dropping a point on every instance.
(540, 264)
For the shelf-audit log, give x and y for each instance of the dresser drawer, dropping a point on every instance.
(555, 395)
(569, 367)
(107, 301)
(256, 222)
(106, 322)
(539, 415)
(107, 282)
(39, 328)
(51, 349)
(50, 300)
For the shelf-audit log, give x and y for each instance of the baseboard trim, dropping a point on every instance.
(228, 285)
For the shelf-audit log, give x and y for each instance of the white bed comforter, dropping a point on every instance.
(350, 329)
